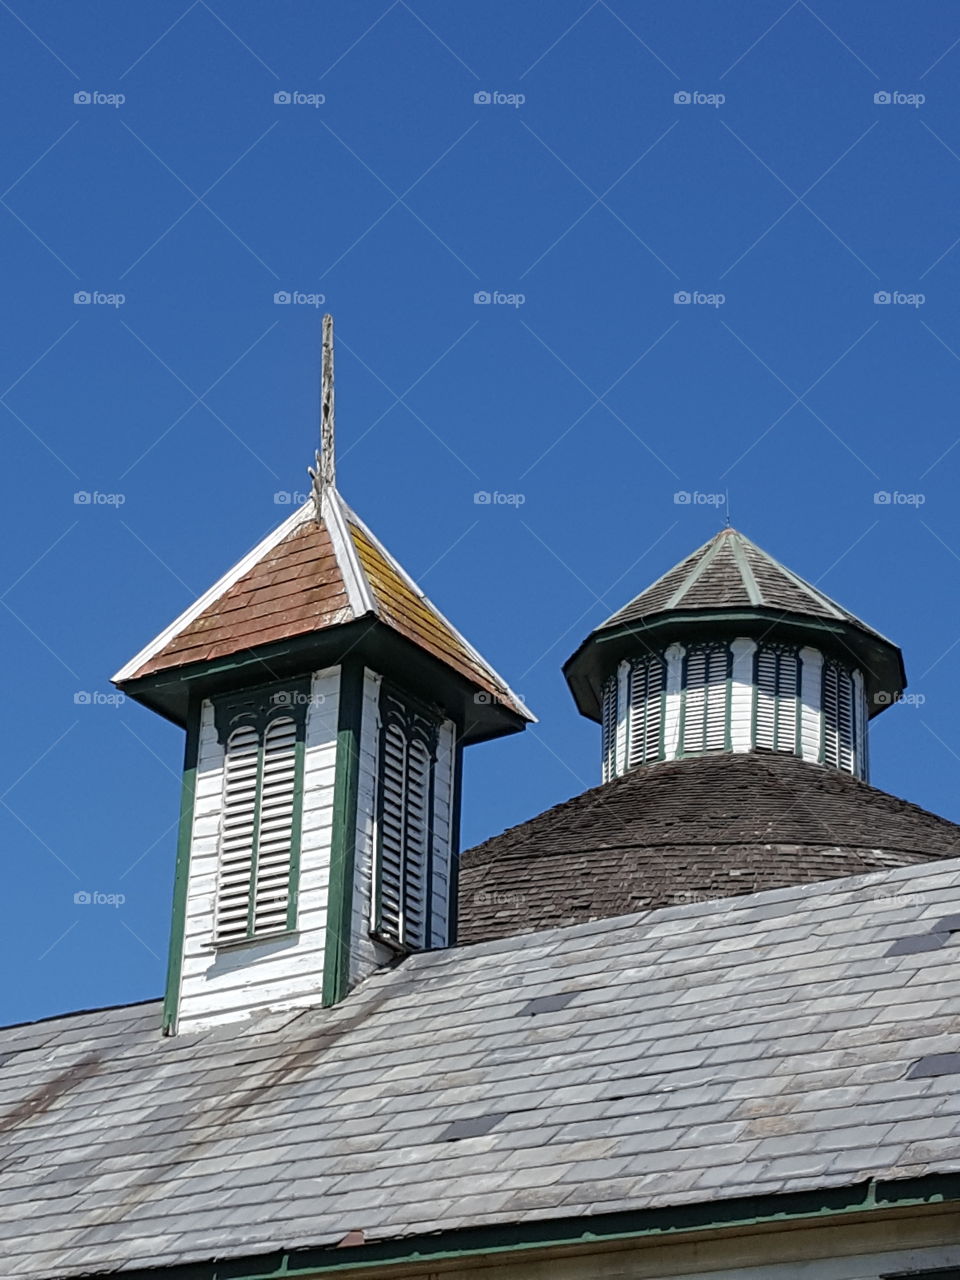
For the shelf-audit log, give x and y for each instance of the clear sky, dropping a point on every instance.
(619, 154)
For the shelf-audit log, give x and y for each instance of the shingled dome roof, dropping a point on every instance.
(687, 831)
(731, 579)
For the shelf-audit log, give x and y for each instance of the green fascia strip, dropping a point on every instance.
(184, 836)
(813, 1207)
(336, 958)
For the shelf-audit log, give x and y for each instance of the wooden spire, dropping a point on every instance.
(324, 473)
(328, 457)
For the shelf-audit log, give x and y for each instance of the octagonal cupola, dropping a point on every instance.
(732, 652)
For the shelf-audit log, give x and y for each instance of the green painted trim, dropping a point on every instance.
(464, 1245)
(171, 997)
(343, 842)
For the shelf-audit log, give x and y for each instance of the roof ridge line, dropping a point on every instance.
(359, 592)
(696, 572)
(484, 665)
(746, 573)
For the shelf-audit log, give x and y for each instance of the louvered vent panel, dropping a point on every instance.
(277, 794)
(777, 702)
(416, 846)
(237, 834)
(609, 728)
(705, 707)
(646, 710)
(838, 718)
(390, 869)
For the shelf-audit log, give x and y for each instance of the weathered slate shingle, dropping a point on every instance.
(756, 1045)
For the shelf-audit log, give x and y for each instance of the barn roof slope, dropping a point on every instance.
(787, 1041)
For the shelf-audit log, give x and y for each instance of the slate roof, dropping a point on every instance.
(682, 830)
(729, 572)
(785, 1041)
(310, 575)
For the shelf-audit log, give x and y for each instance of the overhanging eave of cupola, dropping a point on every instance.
(880, 661)
(478, 714)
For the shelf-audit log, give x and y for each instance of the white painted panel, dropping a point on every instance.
(811, 675)
(623, 718)
(222, 985)
(741, 694)
(443, 831)
(671, 721)
(365, 954)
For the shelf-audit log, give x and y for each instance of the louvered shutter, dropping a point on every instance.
(237, 833)
(275, 828)
(646, 710)
(705, 700)
(405, 828)
(390, 868)
(609, 728)
(838, 718)
(777, 699)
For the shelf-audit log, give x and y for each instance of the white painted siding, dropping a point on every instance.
(742, 694)
(366, 954)
(811, 720)
(671, 713)
(623, 717)
(220, 986)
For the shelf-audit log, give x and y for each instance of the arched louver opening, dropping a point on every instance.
(258, 831)
(609, 729)
(405, 827)
(647, 681)
(777, 707)
(839, 718)
(706, 700)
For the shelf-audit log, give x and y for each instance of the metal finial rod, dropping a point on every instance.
(328, 457)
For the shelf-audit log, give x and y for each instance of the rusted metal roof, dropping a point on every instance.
(310, 575)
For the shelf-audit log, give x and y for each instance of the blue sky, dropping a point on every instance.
(776, 191)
